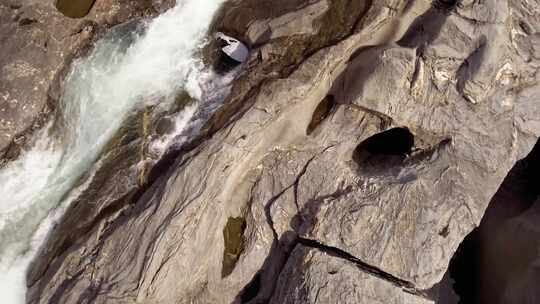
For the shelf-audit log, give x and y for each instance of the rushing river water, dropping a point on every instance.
(125, 70)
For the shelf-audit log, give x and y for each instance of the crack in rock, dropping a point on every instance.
(365, 267)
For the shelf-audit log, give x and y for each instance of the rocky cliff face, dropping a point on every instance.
(362, 143)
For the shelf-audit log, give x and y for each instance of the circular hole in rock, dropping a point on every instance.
(384, 150)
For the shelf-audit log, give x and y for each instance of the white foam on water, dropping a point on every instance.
(210, 89)
(99, 92)
(180, 121)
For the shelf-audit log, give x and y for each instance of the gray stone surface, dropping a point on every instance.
(329, 279)
(462, 79)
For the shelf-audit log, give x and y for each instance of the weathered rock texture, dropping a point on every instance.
(37, 45)
(499, 261)
(341, 215)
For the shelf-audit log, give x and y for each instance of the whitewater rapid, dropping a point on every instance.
(125, 71)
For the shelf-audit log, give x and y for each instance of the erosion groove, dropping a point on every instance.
(322, 111)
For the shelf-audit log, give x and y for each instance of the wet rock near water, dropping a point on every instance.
(38, 44)
(74, 8)
(360, 146)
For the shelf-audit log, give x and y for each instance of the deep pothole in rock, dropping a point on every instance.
(384, 150)
(497, 263)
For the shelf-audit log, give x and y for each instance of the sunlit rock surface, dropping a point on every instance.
(334, 209)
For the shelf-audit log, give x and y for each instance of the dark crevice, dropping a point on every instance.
(497, 255)
(322, 111)
(90, 294)
(252, 289)
(365, 267)
(268, 210)
(261, 288)
(526, 28)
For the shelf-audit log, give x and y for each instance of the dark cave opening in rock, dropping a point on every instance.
(497, 262)
(384, 150)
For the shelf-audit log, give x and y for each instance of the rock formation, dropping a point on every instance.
(498, 262)
(360, 146)
(38, 44)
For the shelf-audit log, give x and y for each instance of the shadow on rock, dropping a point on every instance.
(495, 263)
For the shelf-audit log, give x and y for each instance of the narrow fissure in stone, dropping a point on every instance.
(322, 111)
(495, 263)
(333, 251)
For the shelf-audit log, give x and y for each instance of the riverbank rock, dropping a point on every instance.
(38, 44)
(360, 146)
